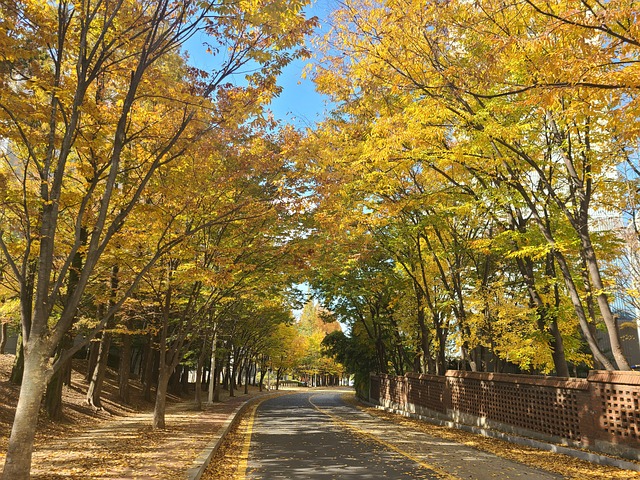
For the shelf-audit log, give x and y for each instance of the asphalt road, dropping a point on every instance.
(316, 435)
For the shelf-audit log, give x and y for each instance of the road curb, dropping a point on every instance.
(202, 461)
(528, 442)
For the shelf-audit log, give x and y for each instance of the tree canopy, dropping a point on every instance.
(470, 200)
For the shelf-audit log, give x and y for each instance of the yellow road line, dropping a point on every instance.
(243, 463)
(437, 470)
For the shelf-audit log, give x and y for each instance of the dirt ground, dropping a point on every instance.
(77, 414)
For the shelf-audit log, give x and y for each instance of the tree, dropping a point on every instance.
(87, 129)
(473, 89)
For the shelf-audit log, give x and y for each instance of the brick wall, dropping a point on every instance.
(427, 391)
(601, 412)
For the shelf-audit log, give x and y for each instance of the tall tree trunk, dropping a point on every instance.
(97, 378)
(159, 409)
(19, 451)
(184, 379)
(425, 335)
(441, 334)
(164, 373)
(94, 346)
(53, 396)
(557, 344)
(574, 295)
(557, 350)
(263, 370)
(591, 310)
(168, 361)
(174, 381)
(213, 379)
(591, 261)
(547, 318)
(567, 275)
(241, 366)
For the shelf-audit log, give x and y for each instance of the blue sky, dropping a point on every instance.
(298, 104)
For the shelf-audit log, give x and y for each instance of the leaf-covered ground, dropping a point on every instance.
(225, 464)
(117, 442)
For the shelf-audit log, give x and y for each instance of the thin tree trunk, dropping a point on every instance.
(567, 276)
(97, 378)
(425, 336)
(574, 295)
(238, 370)
(547, 320)
(124, 372)
(247, 375)
(215, 377)
(199, 370)
(17, 371)
(441, 334)
(174, 381)
(184, 379)
(262, 372)
(94, 348)
(605, 308)
(53, 395)
(164, 374)
(3, 337)
(147, 374)
(94, 390)
(231, 376)
(557, 344)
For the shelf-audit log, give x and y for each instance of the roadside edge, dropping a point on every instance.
(507, 437)
(202, 461)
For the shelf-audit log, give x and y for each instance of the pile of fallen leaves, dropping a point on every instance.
(569, 467)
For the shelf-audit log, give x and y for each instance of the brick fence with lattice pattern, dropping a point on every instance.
(601, 412)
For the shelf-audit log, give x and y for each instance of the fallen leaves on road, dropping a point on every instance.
(224, 464)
